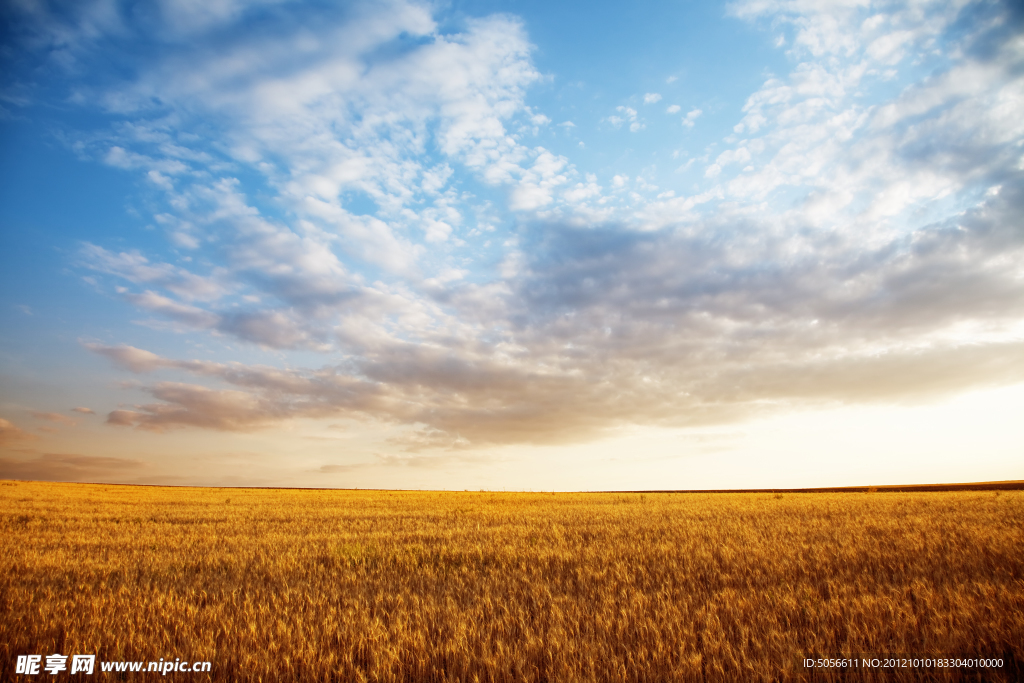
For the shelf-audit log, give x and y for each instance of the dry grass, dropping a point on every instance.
(405, 586)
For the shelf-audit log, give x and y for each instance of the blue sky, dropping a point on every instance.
(509, 244)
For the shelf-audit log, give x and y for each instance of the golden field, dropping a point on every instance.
(300, 585)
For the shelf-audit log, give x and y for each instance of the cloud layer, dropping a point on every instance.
(661, 328)
(361, 185)
(65, 467)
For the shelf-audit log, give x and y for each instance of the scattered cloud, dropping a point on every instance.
(841, 249)
(444, 461)
(136, 268)
(338, 469)
(879, 164)
(68, 467)
(54, 417)
(671, 327)
(11, 433)
(128, 357)
(628, 115)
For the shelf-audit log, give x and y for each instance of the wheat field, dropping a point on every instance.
(303, 585)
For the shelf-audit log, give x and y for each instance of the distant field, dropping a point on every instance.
(405, 586)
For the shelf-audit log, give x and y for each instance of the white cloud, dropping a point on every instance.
(629, 115)
(121, 158)
(888, 49)
(581, 192)
(535, 189)
(733, 156)
(339, 123)
(436, 178)
(674, 109)
(187, 17)
(327, 127)
(652, 98)
(189, 315)
(858, 161)
(135, 267)
(529, 196)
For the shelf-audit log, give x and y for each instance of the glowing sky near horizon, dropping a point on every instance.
(484, 244)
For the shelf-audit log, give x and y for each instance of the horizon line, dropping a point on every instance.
(1004, 485)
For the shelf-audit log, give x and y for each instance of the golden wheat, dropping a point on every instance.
(299, 585)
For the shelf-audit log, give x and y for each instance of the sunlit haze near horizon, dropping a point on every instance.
(511, 244)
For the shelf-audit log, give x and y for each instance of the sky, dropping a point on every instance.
(505, 244)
